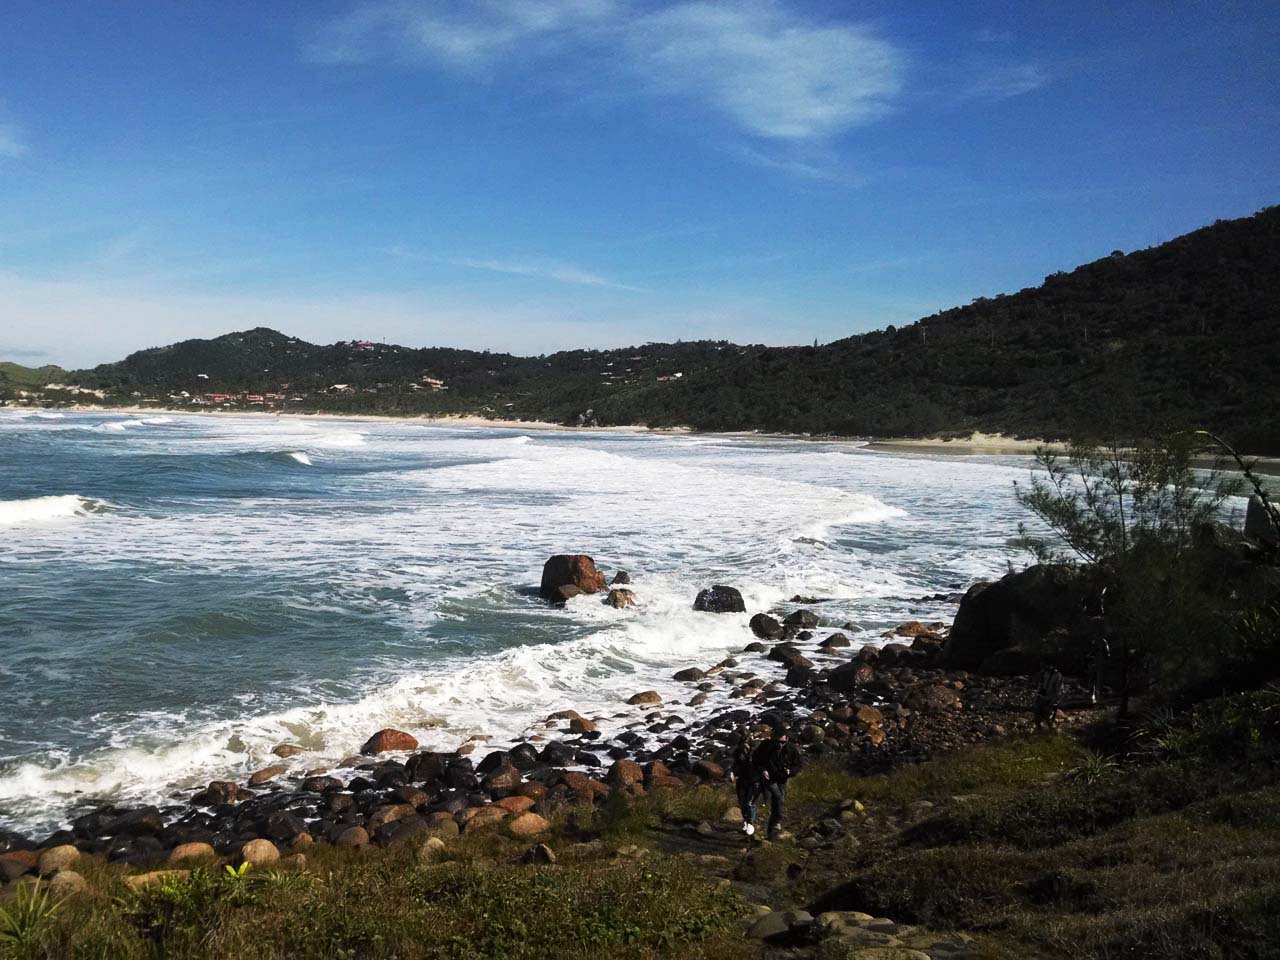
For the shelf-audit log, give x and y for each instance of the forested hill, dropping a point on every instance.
(1178, 335)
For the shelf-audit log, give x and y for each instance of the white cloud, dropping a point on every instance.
(463, 36)
(774, 73)
(12, 144)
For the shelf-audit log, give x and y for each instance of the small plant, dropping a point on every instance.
(1092, 770)
(24, 922)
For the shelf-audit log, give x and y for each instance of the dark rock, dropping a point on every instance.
(766, 627)
(426, 767)
(720, 599)
(523, 755)
(689, 674)
(1019, 609)
(570, 570)
(834, 640)
(756, 647)
(621, 578)
(801, 620)
(620, 598)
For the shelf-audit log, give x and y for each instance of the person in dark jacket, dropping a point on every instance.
(746, 782)
(1044, 708)
(776, 761)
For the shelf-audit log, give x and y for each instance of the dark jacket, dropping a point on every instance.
(744, 770)
(776, 761)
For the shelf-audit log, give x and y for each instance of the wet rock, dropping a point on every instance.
(645, 697)
(259, 777)
(719, 599)
(621, 577)
(321, 784)
(689, 675)
(834, 641)
(801, 620)
(766, 627)
(387, 740)
(576, 571)
(620, 599)
(286, 750)
(582, 725)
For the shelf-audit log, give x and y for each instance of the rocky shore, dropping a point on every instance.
(867, 709)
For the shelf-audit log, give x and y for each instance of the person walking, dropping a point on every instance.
(1044, 707)
(776, 761)
(745, 781)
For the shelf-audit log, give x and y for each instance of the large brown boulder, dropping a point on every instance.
(388, 739)
(574, 570)
(1018, 610)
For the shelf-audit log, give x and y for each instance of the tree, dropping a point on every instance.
(1137, 517)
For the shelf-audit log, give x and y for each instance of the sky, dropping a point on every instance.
(536, 175)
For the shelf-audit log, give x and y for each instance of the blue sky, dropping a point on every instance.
(539, 175)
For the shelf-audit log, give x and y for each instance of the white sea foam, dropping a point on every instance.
(49, 415)
(45, 509)
(301, 457)
(155, 421)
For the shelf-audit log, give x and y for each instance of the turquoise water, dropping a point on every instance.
(180, 593)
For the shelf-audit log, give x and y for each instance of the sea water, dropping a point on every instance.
(178, 594)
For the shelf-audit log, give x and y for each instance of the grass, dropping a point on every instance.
(390, 905)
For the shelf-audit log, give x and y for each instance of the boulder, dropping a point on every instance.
(690, 675)
(528, 825)
(719, 599)
(352, 837)
(539, 853)
(625, 774)
(1258, 524)
(387, 740)
(913, 628)
(620, 599)
(766, 627)
(143, 880)
(192, 851)
(570, 570)
(848, 677)
(259, 777)
(1019, 609)
(621, 577)
(66, 883)
(833, 641)
(52, 860)
(217, 793)
(645, 697)
(259, 853)
(801, 620)
(286, 750)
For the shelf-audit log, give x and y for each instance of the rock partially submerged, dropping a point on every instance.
(720, 599)
(386, 740)
(566, 575)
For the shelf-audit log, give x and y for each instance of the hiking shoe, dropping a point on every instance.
(779, 835)
(749, 829)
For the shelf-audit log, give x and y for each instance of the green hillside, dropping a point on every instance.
(1174, 336)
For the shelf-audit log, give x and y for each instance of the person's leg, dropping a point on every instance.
(775, 809)
(747, 802)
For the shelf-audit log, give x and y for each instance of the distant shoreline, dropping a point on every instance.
(976, 444)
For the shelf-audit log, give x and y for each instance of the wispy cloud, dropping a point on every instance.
(12, 143)
(540, 268)
(464, 36)
(774, 72)
(1006, 80)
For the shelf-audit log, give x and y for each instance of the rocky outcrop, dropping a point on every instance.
(766, 627)
(720, 599)
(1018, 610)
(568, 574)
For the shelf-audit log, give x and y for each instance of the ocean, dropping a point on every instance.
(178, 594)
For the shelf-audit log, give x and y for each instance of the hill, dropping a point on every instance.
(16, 376)
(1174, 336)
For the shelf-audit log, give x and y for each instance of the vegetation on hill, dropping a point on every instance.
(1176, 336)
(14, 376)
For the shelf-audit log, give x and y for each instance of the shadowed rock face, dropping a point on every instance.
(1017, 609)
(565, 575)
